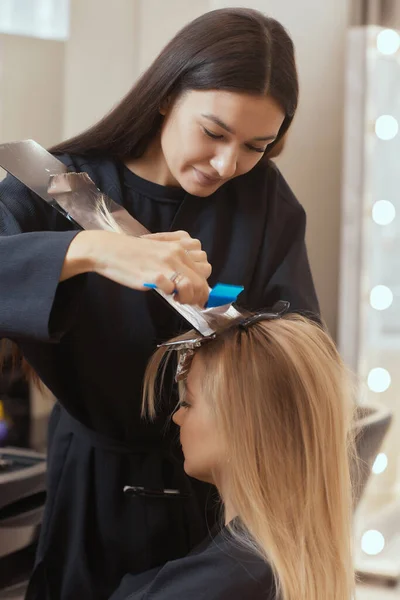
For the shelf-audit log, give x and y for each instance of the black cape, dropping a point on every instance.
(89, 340)
(219, 569)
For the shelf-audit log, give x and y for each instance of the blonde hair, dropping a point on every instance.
(282, 399)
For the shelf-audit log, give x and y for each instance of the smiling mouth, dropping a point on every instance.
(204, 178)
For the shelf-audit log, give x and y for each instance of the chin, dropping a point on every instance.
(194, 188)
(200, 474)
(199, 191)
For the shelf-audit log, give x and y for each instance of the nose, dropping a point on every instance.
(177, 416)
(225, 162)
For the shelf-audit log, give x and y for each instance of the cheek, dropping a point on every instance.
(195, 150)
(184, 145)
(248, 161)
(201, 448)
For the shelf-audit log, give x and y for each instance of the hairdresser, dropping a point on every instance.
(187, 153)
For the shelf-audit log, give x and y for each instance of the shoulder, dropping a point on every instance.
(96, 166)
(266, 182)
(21, 209)
(103, 171)
(221, 571)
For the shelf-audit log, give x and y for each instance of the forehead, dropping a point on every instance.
(196, 374)
(254, 115)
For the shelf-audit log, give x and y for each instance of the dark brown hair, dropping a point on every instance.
(231, 49)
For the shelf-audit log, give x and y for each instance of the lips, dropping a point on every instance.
(205, 179)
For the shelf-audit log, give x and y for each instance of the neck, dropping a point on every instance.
(230, 512)
(152, 165)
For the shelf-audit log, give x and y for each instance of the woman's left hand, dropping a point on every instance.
(192, 247)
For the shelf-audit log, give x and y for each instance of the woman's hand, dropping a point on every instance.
(134, 261)
(191, 246)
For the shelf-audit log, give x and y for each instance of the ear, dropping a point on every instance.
(165, 105)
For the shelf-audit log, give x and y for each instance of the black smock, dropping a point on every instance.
(218, 569)
(89, 340)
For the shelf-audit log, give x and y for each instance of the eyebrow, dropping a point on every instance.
(220, 123)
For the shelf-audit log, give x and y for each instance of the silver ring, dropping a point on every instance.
(176, 278)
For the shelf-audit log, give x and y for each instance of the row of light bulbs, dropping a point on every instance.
(383, 213)
(373, 541)
(381, 297)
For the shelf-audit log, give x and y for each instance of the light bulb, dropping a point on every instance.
(383, 212)
(386, 127)
(381, 297)
(388, 41)
(372, 542)
(380, 463)
(379, 380)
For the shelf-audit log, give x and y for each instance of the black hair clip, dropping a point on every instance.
(134, 490)
(276, 312)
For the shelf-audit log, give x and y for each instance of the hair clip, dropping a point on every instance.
(134, 490)
(182, 344)
(186, 350)
(189, 344)
(276, 312)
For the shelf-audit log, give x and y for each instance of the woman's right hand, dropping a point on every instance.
(132, 261)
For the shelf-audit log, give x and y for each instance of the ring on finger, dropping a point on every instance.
(176, 278)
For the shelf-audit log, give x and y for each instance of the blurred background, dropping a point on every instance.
(65, 63)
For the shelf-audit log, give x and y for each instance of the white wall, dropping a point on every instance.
(101, 59)
(159, 22)
(31, 89)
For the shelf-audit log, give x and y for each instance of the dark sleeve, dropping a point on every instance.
(283, 271)
(33, 304)
(209, 576)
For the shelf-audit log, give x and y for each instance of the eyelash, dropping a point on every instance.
(214, 136)
(184, 404)
(220, 137)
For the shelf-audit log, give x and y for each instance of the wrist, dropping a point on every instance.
(81, 255)
(86, 251)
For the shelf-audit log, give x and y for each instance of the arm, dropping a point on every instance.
(31, 259)
(41, 270)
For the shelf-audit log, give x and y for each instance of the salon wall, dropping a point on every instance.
(101, 59)
(31, 98)
(160, 20)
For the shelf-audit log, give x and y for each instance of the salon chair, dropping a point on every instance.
(383, 565)
(22, 498)
(371, 426)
